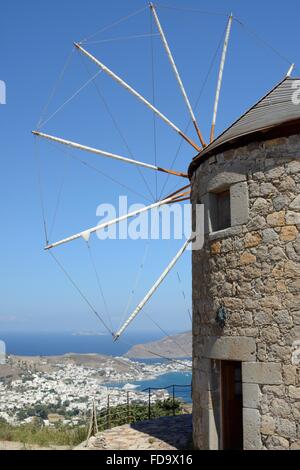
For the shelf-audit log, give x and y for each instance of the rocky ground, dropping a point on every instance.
(8, 445)
(167, 433)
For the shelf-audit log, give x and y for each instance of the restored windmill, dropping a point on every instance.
(244, 277)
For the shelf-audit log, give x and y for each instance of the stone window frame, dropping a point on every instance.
(220, 202)
(239, 202)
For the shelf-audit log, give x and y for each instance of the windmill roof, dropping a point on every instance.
(275, 109)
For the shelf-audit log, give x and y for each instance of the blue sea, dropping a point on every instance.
(181, 380)
(52, 344)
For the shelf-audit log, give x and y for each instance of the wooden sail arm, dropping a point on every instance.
(103, 153)
(220, 78)
(152, 290)
(176, 72)
(87, 233)
(137, 95)
(181, 199)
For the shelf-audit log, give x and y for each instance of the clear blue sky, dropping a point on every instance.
(36, 38)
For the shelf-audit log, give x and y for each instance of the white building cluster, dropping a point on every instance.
(76, 386)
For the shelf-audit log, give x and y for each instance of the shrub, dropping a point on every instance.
(122, 414)
(43, 436)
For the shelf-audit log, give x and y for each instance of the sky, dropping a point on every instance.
(36, 42)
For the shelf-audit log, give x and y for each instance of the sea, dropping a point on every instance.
(55, 344)
(179, 381)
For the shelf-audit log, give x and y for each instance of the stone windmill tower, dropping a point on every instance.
(246, 280)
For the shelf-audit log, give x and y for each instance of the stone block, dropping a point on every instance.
(206, 199)
(293, 218)
(266, 373)
(268, 425)
(209, 439)
(252, 240)
(276, 219)
(289, 375)
(251, 395)
(280, 202)
(220, 181)
(239, 202)
(289, 233)
(278, 443)
(296, 203)
(286, 428)
(281, 407)
(247, 258)
(234, 348)
(291, 269)
(215, 248)
(294, 392)
(213, 434)
(252, 424)
(206, 399)
(295, 445)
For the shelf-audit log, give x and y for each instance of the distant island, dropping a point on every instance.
(179, 345)
(88, 333)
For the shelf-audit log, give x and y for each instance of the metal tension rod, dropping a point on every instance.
(178, 191)
(153, 289)
(137, 95)
(220, 78)
(87, 233)
(178, 78)
(75, 145)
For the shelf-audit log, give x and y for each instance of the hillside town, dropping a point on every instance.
(64, 391)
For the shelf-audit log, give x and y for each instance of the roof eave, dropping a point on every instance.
(282, 129)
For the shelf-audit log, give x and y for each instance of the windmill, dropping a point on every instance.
(183, 192)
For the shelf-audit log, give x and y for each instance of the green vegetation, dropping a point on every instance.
(123, 414)
(30, 434)
(35, 433)
(42, 411)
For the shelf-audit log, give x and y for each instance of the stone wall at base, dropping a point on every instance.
(253, 270)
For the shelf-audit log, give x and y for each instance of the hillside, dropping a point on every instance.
(174, 346)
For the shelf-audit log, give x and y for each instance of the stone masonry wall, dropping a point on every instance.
(252, 269)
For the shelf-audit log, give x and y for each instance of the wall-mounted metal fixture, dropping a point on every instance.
(221, 316)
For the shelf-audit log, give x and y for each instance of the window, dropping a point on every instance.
(220, 211)
(226, 205)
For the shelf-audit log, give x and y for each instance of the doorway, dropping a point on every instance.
(232, 405)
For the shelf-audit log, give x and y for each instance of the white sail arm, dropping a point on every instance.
(136, 94)
(87, 233)
(153, 289)
(103, 153)
(220, 78)
(290, 71)
(176, 72)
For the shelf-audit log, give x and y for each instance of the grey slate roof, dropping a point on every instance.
(275, 108)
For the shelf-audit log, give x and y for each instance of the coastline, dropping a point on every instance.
(72, 382)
